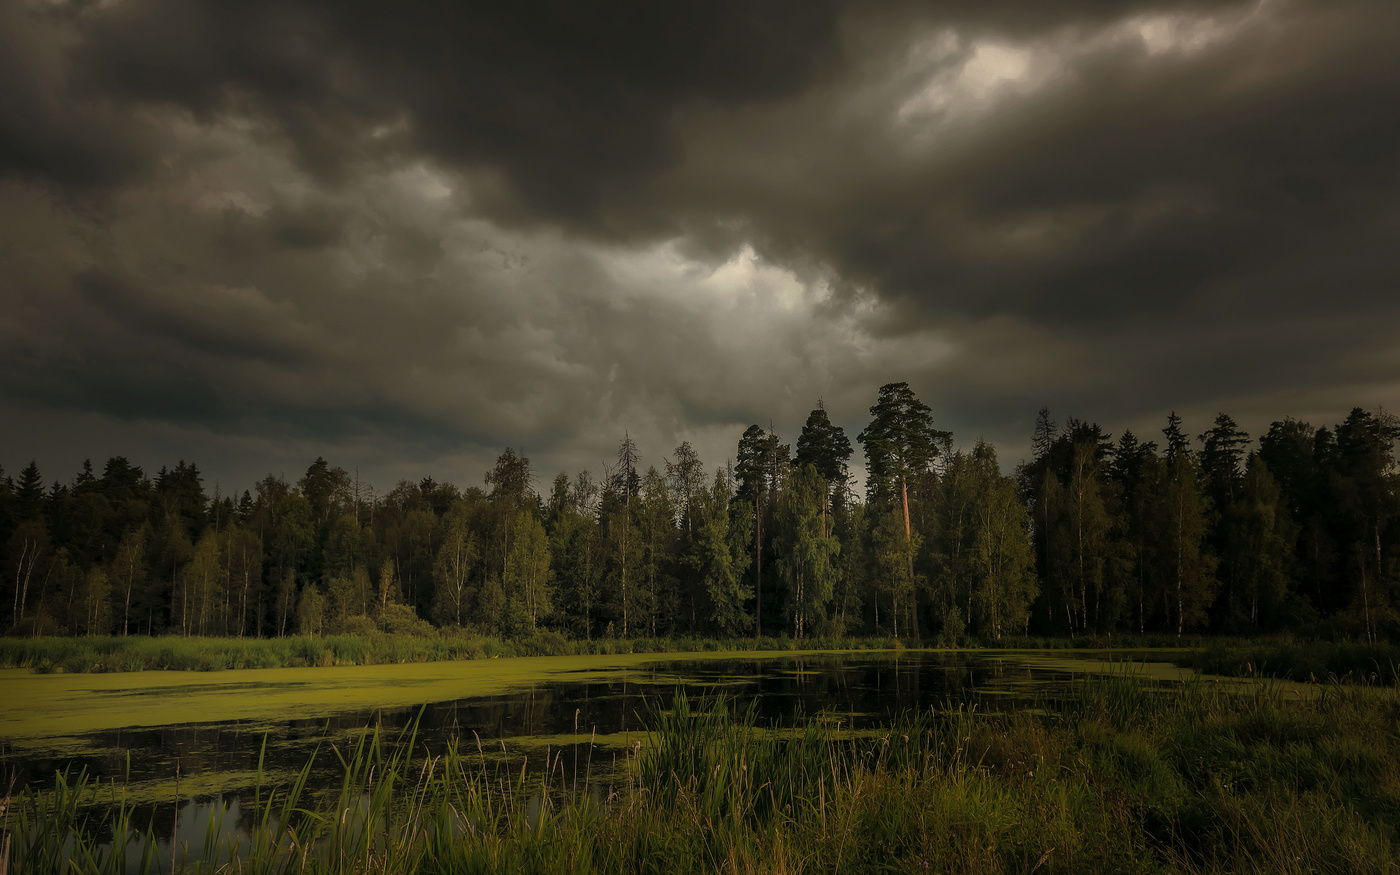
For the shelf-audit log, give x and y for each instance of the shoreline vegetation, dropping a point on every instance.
(177, 653)
(1305, 661)
(1118, 775)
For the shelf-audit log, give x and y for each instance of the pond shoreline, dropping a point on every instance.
(57, 705)
(102, 655)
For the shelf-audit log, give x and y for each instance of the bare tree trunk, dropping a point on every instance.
(1380, 572)
(26, 570)
(1365, 595)
(126, 609)
(243, 602)
(758, 570)
(909, 545)
(626, 533)
(1180, 601)
(1079, 556)
(1142, 587)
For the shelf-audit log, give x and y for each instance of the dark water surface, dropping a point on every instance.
(862, 688)
(591, 719)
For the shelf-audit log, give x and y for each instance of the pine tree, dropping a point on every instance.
(1222, 458)
(721, 558)
(510, 481)
(1222, 466)
(825, 447)
(1367, 498)
(807, 551)
(755, 483)
(575, 545)
(656, 523)
(955, 578)
(1265, 537)
(900, 444)
(29, 493)
(1177, 443)
(1136, 470)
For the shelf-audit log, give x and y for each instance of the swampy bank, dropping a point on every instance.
(909, 760)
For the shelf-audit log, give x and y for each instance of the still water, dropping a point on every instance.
(191, 751)
(593, 703)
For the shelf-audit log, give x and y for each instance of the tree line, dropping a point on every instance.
(1091, 536)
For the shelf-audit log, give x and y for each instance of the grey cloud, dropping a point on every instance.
(1159, 176)
(453, 228)
(307, 227)
(210, 326)
(566, 101)
(45, 133)
(113, 384)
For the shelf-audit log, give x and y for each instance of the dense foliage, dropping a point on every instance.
(1092, 536)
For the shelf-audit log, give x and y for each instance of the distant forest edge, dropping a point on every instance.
(1091, 537)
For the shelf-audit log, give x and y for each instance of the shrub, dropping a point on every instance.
(360, 626)
(403, 620)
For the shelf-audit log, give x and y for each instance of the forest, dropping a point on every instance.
(1094, 535)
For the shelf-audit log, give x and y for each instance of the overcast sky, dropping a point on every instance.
(405, 236)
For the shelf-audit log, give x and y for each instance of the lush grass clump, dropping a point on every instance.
(1121, 776)
(140, 653)
(1355, 662)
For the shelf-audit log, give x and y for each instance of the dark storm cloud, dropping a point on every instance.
(44, 134)
(118, 386)
(565, 100)
(444, 228)
(1170, 171)
(204, 327)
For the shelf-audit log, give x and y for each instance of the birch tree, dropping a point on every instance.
(527, 579)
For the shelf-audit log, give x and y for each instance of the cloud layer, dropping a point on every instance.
(254, 233)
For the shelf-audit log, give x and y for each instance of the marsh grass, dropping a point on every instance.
(176, 653)
(1121, 775)
(170, 653)
(1353, 662)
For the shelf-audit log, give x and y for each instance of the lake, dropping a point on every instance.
(192, 736)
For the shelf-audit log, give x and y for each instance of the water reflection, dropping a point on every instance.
(212, 831)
